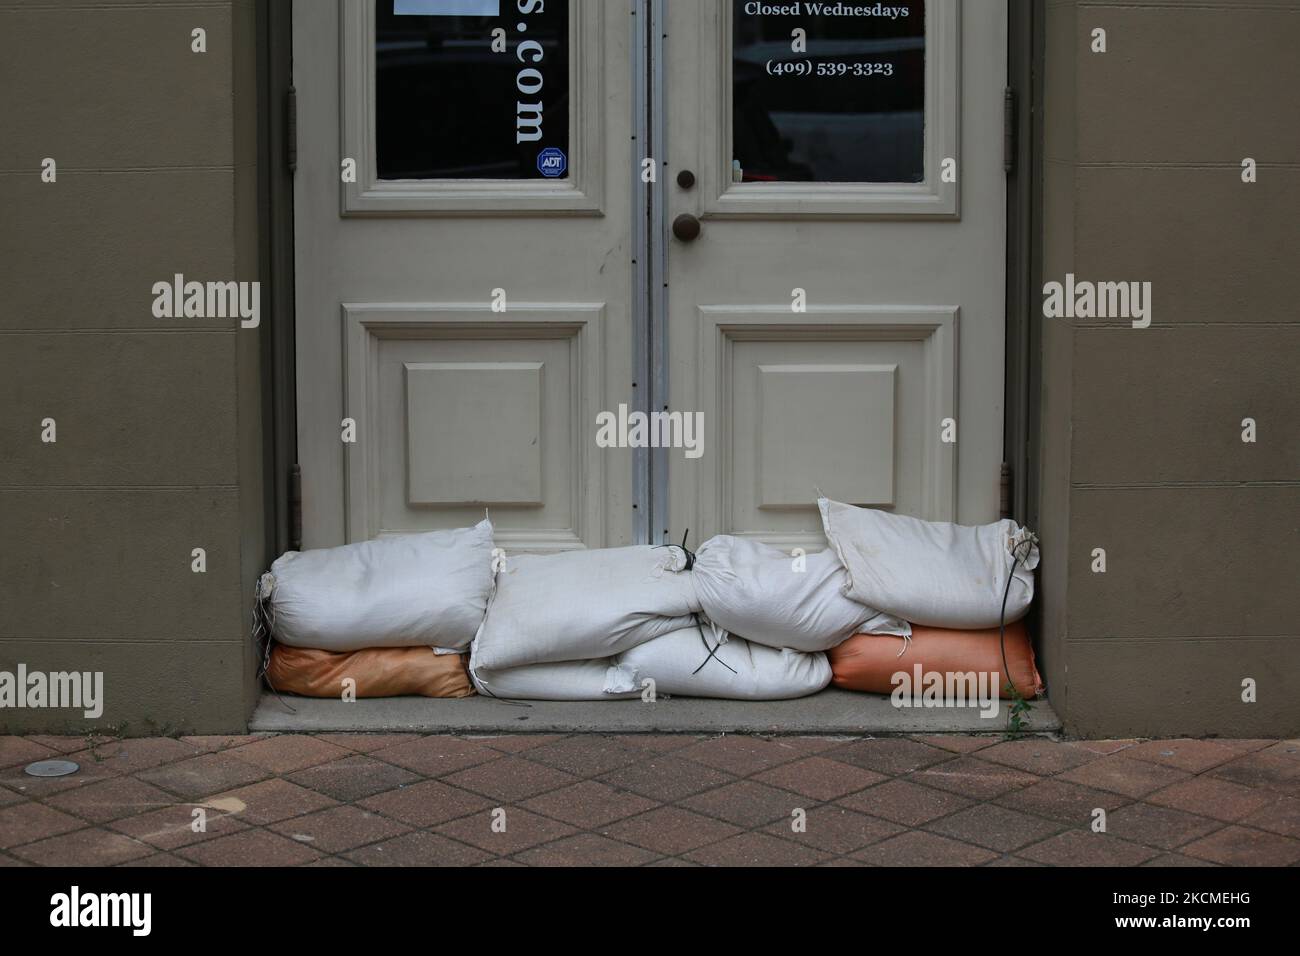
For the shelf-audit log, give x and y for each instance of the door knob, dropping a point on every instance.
(686, 179)
(686, 227)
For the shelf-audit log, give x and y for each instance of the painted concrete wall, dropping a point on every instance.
(1142, 428)
(159, 421)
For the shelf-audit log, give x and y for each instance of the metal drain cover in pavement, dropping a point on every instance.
(51, 768)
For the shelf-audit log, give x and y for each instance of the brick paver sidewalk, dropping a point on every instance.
(341, 799)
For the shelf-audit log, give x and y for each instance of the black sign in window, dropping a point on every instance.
(472, 89)
(847, 105)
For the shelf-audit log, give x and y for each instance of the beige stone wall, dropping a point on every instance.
(1142, 427)
(159, 421)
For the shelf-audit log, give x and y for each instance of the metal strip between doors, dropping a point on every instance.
(650, 325)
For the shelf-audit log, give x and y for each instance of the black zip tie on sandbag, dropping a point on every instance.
(713, 651)
(690, 555)
(1031, 539)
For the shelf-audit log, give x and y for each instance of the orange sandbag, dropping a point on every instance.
(378, 672)
(868, 662)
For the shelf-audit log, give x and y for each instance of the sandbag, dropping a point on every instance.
(581, 605)
(755, 591)
(680, 665)
(932, 572)
(378, 672)
(558, 680)
(869, 662)
(408, 590)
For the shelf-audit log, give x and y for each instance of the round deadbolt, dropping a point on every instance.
(686, 227)
(686, 179)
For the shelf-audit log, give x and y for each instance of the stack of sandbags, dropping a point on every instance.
(739, 620)
(957, 585)
(395, 614)
(743, 621)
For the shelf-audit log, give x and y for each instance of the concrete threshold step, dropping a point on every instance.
(830, 712)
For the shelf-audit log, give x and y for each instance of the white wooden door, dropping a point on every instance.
(837, 322)
(863, 173)
(465, 298)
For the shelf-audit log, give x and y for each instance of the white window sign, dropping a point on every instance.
(447, 8)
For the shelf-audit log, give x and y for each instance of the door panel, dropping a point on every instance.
(786, 394)
(901, 325)
(471, 316)
(464, 407)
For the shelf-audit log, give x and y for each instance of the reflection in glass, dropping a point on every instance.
(848, 109)
(449, 106)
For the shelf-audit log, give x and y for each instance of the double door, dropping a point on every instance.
(774, 230)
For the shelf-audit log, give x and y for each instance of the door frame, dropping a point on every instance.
(276, 137)
(1024, 154)
(276, 157)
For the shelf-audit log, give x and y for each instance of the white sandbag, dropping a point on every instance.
(764, 595)
(679, 664)
(400, 591)
(562, 680)
(580, 605)
(932, 572)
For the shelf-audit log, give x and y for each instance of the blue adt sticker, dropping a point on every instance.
(551, 162)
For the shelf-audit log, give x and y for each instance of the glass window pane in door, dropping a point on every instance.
(848, 108)
(472, 89)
